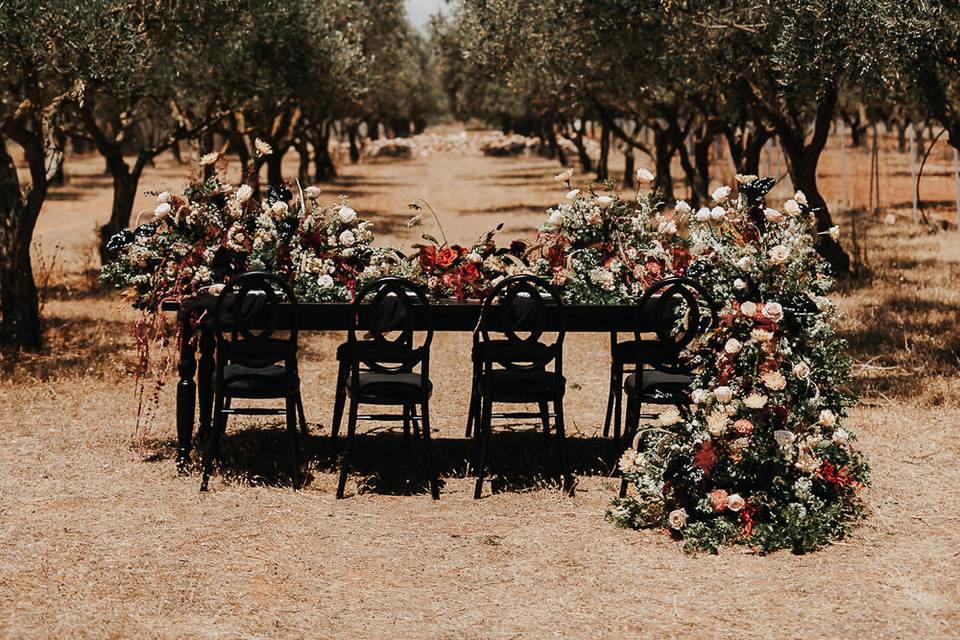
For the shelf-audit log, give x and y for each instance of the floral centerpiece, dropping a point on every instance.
(761, 459)
(601, 249)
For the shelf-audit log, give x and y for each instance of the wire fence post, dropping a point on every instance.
(912, 136)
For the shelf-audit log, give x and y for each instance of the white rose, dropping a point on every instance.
(209, 158)
(717, 213)
(761, 335)
(702, 215)
(346, 214)
(162, 209)
(748, 309)
(773, 311)
(755, 401)
(605, 202)
(735, 502)
(347, 238)
(668, 228)
(678, 519)
(563, 176)
(555, 218)
(572, 194)
(325, 281)
(717, 423)
(828, 418)
(215, 289)
(474, 257)
(733, 346)
(800, 197)
(163, 197)
(723, 394)
(311, 192)
(645, 176)
(784, 438)
(791, 207)
(772, 215)
(774, 380)
(682, 207)
(721, 194)
(262, 148)
(840, 436)
(779, 254)
(739, 284)
(801, 370)
(699, 396)
(244, 193)
(278, 208)
(745, 263)
(669, 417)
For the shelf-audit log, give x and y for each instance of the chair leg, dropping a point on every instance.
(301, 416)
(617, 404)
(339, 400)
(634, 408)
(345, 461)
(213, 440)
(611, 397)
(406, 424)
(427, 451)
(292, 404)
(561, 447)
(482, 443)
(545, 420)
(473, 409)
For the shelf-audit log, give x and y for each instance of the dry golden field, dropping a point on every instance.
(98, 539)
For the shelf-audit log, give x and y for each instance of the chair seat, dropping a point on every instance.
(240, 381)
(650, 351)
(391, 388)
(507, 385)
(661, 388)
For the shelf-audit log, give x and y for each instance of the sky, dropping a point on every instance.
(419, 11)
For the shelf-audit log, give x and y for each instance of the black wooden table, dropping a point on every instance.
(446, 316)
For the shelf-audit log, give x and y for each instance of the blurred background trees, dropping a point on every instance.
(672, 85)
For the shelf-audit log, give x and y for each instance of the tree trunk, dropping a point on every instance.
(275, 167)
(701, 162)
(322, 162)
(663, 155)
(125, 183)
(628, 168)
(586, 164)
(19, 301)
(603, 162)
(352, 132)
(303, 168)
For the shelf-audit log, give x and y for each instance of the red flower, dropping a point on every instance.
(681, 260)
(706, 457)
(469, 273)
(556, 255)
(840, 477)
(428, 257)
(446, 257)
(653, 270)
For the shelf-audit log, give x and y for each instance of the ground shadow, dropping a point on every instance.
(384, 461)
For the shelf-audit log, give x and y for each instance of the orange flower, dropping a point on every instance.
(718, 499)
(446, 256)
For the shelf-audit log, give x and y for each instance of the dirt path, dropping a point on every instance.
(97, 542)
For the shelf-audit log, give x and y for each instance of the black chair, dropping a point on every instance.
(255, 324)
(515, 369)
(684, 311)
(381, 365)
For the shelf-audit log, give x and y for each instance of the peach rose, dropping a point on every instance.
(718, 499)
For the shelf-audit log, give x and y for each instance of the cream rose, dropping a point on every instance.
(669, 417)
(739, 284)
(347, 238)
(840, 436)
(774, 380)
(792, 207)
(311, 192)
(605, 202)
(162, 209)
(755, 401)
(244, 193)
(678, 519)
(773, 311)
(721, 194)
(682, 207)
(828, 418)
(563, 176)
(733, 346)
(800, 197)
(163, 197)
(555, 219)
(645, 176)
(783, 438)
(801, 370)
(772, 215)
(723, 394)
(572, 194)
(702, 215)
(779, 254)
(346, 214)
(735, 502)
(761, 335)
(717, 213)
(745, 263)
(748, 308)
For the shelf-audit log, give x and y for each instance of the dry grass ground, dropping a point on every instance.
(96, 541)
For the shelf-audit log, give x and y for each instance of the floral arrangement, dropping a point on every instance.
(601, 249)
(196, 242)
(761, 459)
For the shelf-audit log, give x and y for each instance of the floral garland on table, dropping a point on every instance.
(601, 249)
(762, 459)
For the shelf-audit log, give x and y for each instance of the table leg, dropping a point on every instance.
(205, 380)
(186, 392)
